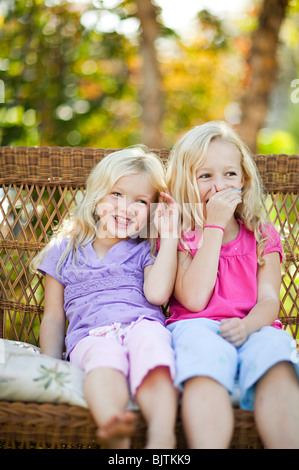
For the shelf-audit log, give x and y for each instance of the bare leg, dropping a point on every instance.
(157, 399)
(106, 392)
(277, 407)
(207, 414)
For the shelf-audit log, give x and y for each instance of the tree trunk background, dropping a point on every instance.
(263, 69)
(151, 94)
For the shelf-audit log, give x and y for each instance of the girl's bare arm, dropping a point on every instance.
(159, 278)
(52, 330)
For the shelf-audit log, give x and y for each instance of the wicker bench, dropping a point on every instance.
(38, 187)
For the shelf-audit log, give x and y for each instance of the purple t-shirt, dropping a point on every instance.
(99, 292)
(235, 291)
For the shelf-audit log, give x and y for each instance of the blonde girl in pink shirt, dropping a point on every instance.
(223, 312)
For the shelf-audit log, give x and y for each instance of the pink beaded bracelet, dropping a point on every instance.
(214, 226)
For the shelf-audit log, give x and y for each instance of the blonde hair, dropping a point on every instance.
(188, 155)
(81, 225)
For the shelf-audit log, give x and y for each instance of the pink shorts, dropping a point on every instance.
(133, 350)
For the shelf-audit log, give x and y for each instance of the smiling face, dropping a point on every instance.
(125, 210)
(220, 170)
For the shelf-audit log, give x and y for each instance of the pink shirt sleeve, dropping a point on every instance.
(273, 242)
(190, 241)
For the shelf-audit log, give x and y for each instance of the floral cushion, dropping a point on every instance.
(28, 375)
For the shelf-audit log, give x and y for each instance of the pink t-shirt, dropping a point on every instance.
(235, 292)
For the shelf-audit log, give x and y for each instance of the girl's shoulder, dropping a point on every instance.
(54, 251)
(56, 246)
(134, 246)
(269, 231)
(140, 249)
(272, 240)
(51, 257)
(270, 236)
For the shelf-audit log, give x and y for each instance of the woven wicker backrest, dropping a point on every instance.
(40, 185)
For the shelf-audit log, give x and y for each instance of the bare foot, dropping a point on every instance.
(116, 432)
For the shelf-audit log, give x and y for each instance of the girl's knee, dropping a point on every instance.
(278, 383)
(159, 374)
(282, 372)
(205, 388)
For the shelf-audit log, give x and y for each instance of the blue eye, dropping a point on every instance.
(204, 176)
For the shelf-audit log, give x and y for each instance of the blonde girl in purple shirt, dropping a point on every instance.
(102, 275)
(223, 312)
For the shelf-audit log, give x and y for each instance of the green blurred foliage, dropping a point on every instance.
(68, 81)
(276, 141)
(64, 84)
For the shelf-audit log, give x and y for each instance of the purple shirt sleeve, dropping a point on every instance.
(147, 258)
(51, 259)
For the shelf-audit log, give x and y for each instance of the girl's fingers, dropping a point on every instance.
(170, 205)
(226, 197)
(168, 196)
(233, 330)
(227, 193)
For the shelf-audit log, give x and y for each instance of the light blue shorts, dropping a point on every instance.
(201, 351)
